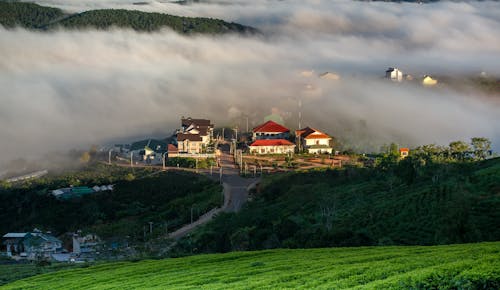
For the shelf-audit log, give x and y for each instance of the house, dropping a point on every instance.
(149, 150)
(329, 76)
(86, 247)
(272, 146)
(33, 245)
(404, 152)
(195, 136)
(202, 127)
(270, 130)
(429, 81)
(190, 143)
(313, 141)
(394, 74)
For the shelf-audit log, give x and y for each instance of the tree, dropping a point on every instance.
(85, 158)
(481, 147)
(458, 149)
(129, 177)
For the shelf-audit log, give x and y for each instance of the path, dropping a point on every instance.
(235, 194)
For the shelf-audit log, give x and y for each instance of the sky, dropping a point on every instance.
(70, 89)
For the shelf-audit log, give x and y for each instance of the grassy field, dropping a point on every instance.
(466, 266)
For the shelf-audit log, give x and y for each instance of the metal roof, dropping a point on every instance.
(15, 235)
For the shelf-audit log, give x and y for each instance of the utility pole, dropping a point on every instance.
(300, 114)
(223, 133)
(254, 171)
(109, 156)
(131, 155)
(236, 134)
(163, 157)
(196, 162)
(211, 169)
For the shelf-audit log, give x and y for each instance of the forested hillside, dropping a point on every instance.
(27, 15)
(136, 200)
(33, 16)
(142, 21)
(408, 203)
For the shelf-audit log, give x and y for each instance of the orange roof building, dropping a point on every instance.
(272, 146)
(270, 130)
(404, 152)
(314, 141)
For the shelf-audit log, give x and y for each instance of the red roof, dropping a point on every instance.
(172, 148)
(272, 142)
(271, 126)
(404, 149)
(318, 136)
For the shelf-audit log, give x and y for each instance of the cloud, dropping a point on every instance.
(68, 89)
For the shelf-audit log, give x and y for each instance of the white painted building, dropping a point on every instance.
(394, 74)
(272, 146)
(314, 141)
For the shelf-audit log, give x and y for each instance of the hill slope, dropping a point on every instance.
(472, 266)
(28, 15)
(159, 197)
(407, 204)
(33, 16)
(143, 21)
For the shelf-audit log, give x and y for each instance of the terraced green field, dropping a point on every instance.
(467, 266)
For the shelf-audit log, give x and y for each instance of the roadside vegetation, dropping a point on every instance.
(470, 266)
(437, 195)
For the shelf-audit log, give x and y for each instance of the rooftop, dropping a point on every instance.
(186, 122)
(311, 133)
(153, 144)
(190, 137)
(272, 142)
(271, 126)
(15, 235)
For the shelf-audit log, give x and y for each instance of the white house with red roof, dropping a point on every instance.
(314, 141)
(272, 146)
(270, 130)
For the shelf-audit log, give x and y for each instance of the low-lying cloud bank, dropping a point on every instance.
(74, 88)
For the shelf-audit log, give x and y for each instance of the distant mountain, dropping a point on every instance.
(27, 15)
(33, 16)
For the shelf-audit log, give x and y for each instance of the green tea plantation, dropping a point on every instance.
(465, 266)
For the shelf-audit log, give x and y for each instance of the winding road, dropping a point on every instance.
(235, 193)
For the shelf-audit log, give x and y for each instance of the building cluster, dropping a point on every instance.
(194, 137)
(273, 138)
(37, 245)
(396, 75)
(79, 191)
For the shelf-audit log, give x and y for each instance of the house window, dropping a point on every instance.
(317, 142)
